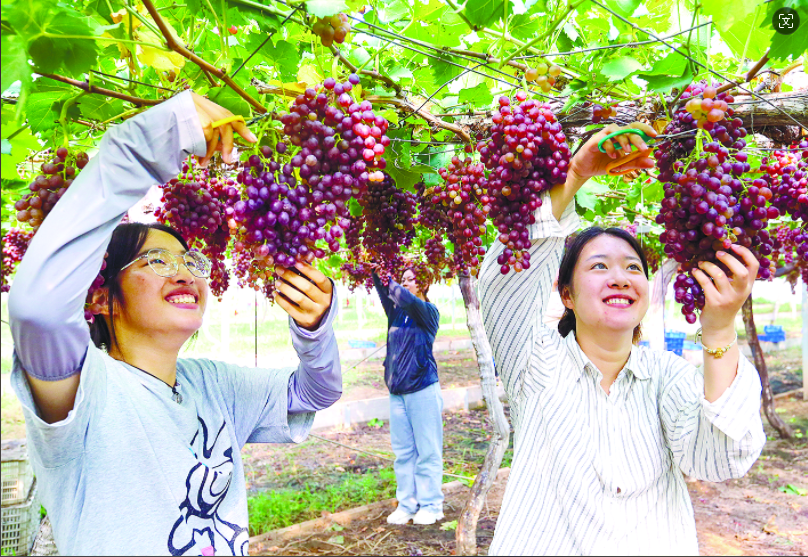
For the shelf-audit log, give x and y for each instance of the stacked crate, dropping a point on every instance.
(20, 502)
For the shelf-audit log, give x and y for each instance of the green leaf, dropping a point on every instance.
(15, 62)
(625, 7)
(323, 8)
(445, 31)
(663, 84)
(339, 540)
(355, 208)
(485, 13)
(726, 13)
(523, 26)
(43, 28)
(620, 68)
(285, 58)
(793, 489)
(444, 71)
(480, 95)
(230, 100)
(40, 108)
(449, 526)
(586, 197)
(673, 65)
(398, 73)
(358, 56)
(97, 107)
(750, 28)
(392, 10)
(794, 45)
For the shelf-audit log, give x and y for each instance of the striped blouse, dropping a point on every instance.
(594, 473)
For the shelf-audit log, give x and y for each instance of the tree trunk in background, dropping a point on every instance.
(466, 534)
(760, 363)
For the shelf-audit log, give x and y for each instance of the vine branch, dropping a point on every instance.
(433, 120)
(172, 43)
(85, 86)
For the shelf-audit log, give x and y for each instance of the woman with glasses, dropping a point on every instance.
(135, 450)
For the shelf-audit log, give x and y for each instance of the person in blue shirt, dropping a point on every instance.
(416, 404)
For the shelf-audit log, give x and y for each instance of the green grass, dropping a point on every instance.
(283, 507)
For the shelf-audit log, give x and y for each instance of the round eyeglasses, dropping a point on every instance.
(166, 264)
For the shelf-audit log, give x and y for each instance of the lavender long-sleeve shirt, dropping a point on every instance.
(46, 301)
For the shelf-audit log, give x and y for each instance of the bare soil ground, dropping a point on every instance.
(762, 513)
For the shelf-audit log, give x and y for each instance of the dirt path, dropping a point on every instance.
(760, 514)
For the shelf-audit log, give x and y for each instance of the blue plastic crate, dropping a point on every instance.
(687, 345)
(674, 342)
(773, 333)
(361, 344)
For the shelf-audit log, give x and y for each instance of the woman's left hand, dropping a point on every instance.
(305, 296)
(725, 294)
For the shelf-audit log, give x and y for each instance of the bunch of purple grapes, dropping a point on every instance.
(707, 204)
(194, 204)
(276, 220)
(464, 200)
(791, 244)
(341, 143)
(49, 186)
(389, 217)
(787, 175)
(526, 154)
(14, 244)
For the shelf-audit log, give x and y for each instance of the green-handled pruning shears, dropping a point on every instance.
(637, 153)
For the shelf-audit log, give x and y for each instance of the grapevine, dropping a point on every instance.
(15, 242)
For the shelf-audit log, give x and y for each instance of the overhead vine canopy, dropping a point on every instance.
(434, 76)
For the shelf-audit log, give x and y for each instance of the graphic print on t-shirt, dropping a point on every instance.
(200, 529)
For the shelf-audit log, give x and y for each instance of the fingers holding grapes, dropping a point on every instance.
(726, 285)
(304, 293)
(219, 138)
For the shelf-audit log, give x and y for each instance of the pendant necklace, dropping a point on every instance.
(175, 394)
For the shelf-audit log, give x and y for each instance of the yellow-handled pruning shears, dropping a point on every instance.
(611, 168)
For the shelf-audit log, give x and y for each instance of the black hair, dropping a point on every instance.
(126, 243)
(571, 254)
(422, 286)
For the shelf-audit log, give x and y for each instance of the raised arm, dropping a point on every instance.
(384, 294)
(47, 297)
(426, 315)
(513, 305)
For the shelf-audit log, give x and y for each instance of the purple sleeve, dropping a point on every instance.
(46, 302)
(317, 383)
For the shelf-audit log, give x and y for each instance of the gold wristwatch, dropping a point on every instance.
(716, 352)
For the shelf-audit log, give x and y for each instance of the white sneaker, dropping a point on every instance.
(399, 516)
(425, 517)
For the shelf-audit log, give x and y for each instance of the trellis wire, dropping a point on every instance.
(132, 81)
(570, 52)
(418, 142)
(438, 91)
(269, 36)
(624, 20)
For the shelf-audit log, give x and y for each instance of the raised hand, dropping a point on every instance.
(589, 161)
(305, 295)
(725, 292)
(219, 138)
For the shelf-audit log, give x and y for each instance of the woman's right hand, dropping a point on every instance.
(219, 138)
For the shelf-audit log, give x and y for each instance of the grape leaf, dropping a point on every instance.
(479, 95)
(231, 100)
(14, 62)
(283, 56)
(620, 68)
(587, 198)
(794, 45)
(323, 8)
(522, 26)
(98, 107)
(485, 13)
(749, 28)
(725, 16)
(45, 31)
(392, 10)
(443, 71)
(625, 7)
(673, 65)
(40, 111)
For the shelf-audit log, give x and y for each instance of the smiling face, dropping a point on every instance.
(156, 305)
(408, 282)
(609, 287)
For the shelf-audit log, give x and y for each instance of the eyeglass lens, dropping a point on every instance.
(166, 264)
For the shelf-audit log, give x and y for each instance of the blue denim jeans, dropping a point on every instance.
(416, 433)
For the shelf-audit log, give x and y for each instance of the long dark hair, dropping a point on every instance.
(127, 241)
(571, 254)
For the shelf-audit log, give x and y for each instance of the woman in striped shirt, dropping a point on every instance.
(605, 430)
